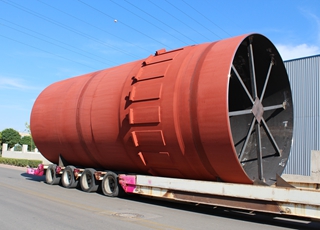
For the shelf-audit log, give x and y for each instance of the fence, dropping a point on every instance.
(24, 154)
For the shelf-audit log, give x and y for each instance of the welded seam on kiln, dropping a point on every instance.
(78, 123)
(193, 113)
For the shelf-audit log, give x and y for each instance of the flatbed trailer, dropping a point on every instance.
(287, 198)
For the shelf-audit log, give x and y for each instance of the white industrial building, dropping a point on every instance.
(304, 75)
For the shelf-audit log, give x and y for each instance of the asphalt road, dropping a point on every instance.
(26, 202)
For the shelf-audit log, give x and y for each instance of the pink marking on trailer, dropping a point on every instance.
(58, 169)
(127, 182)
(36, 171)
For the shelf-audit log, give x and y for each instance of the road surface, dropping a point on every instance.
(26, 202)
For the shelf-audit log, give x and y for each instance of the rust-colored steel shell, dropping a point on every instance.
(215, 111)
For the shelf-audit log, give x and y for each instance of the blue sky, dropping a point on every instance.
(44, 41)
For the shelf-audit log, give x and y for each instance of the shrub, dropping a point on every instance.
(20, 162)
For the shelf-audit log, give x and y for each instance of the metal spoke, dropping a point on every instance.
(247, 138)
(241, 112)
(259, 153)
(242, 83)
(267, 79)
(282, 106)
(252, 70)
(272, 140)
(258, 110)
(248, 111)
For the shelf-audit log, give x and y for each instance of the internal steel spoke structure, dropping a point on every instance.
(259, 95)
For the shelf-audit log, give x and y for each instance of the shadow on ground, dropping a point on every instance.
(33, 177)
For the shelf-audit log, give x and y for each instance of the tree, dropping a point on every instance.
(11, 137)
(27, 127)
(27, 140)
(31, 143)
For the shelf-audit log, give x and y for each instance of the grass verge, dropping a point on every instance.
(20, 162)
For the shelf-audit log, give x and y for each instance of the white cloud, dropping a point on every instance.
(288, 52)
(14, 83)
(316, 21)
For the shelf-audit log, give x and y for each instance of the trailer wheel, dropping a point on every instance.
(88, 182)
(68, 179)
(110, 185)
(51, 176)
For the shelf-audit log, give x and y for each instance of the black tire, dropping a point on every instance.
(110, 185)
(88, 181)
(68, 179)
(51, 176)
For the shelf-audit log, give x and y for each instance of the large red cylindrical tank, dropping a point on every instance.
(215, 111)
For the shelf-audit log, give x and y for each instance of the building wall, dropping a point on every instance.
(304, 75)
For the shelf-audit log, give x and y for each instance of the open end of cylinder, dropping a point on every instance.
(260, 109)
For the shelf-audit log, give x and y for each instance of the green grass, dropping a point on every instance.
(20, 162)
